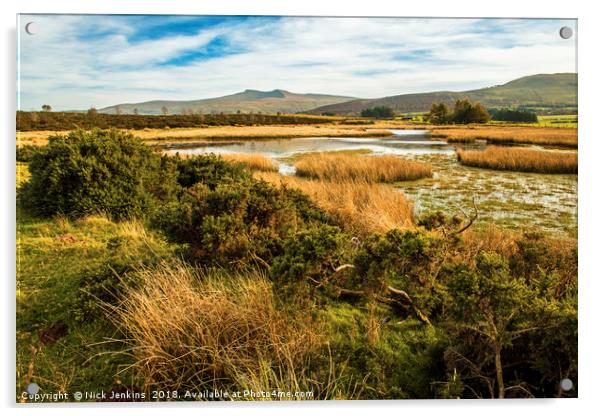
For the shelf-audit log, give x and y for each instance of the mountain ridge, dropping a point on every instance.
(249, 100)
(539, 90)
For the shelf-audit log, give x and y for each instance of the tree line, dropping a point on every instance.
(464, 112)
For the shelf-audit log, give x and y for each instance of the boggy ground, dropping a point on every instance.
(516, 200)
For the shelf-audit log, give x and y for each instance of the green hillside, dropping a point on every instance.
(542, 91)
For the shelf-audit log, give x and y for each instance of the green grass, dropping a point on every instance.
(52, 255)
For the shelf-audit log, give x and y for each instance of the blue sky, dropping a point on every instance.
(79, 61)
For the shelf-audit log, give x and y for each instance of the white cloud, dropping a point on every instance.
(347, 56)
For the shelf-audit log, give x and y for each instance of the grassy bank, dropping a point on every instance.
(520, 159)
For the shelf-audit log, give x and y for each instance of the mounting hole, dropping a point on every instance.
(566, 384)
(31, 28)
(566, 32)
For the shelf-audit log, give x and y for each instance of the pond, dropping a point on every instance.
(510, 199)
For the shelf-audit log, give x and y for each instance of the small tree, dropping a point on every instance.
(465, 113)
(92, 111)
(135, 111)
(439, 114)
(164, 110)
(46, 108)
(491, 306)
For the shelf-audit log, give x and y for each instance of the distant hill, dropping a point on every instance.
(245, 102)
(537, 91)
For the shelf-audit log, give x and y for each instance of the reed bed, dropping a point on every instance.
(550, 136)
(338, 167)
(253, 161)
(359, 206)
(521, 160)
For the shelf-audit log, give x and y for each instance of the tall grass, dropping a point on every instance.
(345, 166)
(253, 161)
(495, 134)
(360, 206)
(193, 330)
(520, 159)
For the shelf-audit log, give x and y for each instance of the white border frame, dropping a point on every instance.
(590, 229)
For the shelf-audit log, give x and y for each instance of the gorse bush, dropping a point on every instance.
(98, 172)
(236, 222)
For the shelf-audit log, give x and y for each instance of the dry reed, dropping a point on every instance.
(360, 206)
(551, 136)
(192, 330)
(345, 166)
(253, 161)
(520, 159)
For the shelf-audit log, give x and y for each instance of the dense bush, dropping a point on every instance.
(309, 258)
(25, 153)
(234, 221)
(98, 171)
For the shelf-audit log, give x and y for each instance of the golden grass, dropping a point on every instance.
(520, 159)
(253, 161)
(162, 136)
(194, 330)
(345, 166)
(552, 136)
(359, 206)
(259, 132)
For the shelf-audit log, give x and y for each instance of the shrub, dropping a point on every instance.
(237, 221)
(209, 169)
(102, 171)
(26, 152)
(309, 258)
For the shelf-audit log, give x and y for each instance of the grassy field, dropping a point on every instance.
(336, 166)
(521, 159)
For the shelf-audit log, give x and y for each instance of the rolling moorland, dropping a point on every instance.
(248, 101)
(441, 265)
(543, 92)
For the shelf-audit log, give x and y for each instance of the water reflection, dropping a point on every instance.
(401, 142)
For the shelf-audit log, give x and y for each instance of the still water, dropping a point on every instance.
(510, 199)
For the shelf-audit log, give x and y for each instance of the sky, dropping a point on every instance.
(82, 61)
